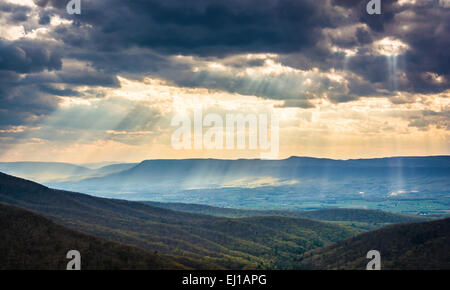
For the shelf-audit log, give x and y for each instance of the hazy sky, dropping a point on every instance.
(105, 85)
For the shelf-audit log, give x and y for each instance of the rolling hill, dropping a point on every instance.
(196, 240)
(417, 246)
(32, 242)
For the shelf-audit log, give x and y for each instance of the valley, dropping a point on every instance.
(237, 214)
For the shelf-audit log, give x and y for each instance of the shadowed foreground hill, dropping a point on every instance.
(194, 240)
(405, 246)
(30, 241)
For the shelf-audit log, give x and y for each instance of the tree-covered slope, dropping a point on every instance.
(405, 246)
(31, 241)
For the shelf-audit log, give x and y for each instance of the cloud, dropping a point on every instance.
(306, 55)
(141, 37)
(424, 119)
(26, 56)
(202, 27)
(15, 13)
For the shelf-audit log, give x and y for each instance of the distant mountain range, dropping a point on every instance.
(44, 171)
(200, 173)
(190, 173)
(58, 172)
(216, 171)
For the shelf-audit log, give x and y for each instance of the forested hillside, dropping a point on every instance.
(30, 241)
(415, 246)
(248, 243)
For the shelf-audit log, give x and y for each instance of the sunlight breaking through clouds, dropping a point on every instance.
(344, 85)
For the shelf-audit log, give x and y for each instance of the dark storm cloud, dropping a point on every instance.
(423, 26)
(376, 22)
(15, 13)
(106, 29)
(430, 51)
(202, 27)
(24, 105)
(28, 68)
(375, 69)
(27, 56)
(52, 3)
(138, 38)
(58, 92)
(44, 17)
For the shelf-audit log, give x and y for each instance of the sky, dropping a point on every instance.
(105, 85)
